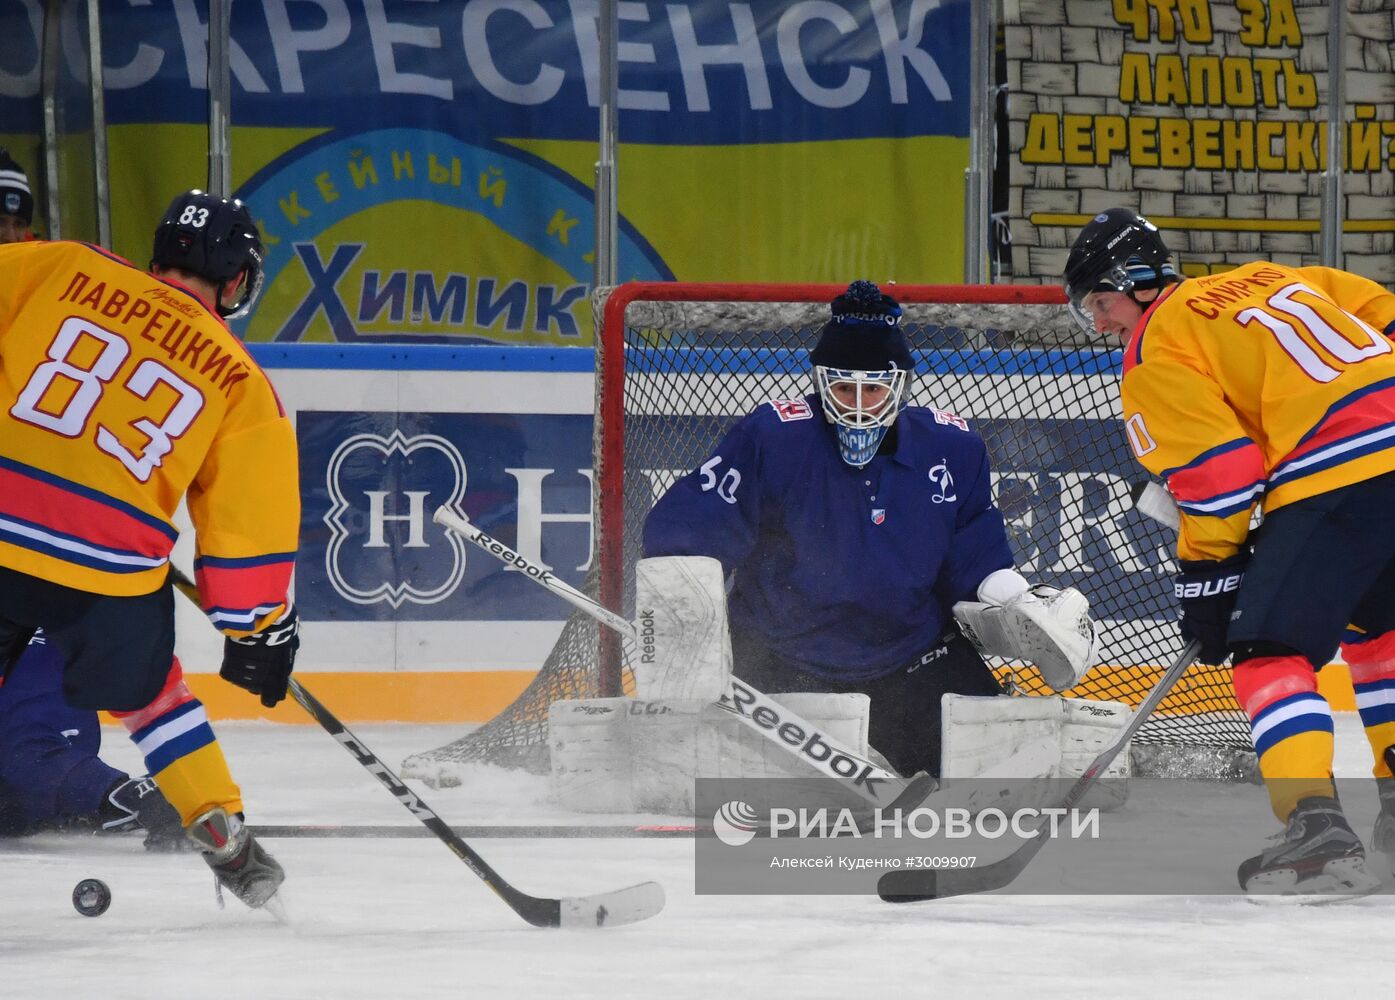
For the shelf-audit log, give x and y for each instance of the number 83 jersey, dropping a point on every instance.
(119, 392)
(1263, 381)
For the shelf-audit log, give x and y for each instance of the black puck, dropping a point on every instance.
(91, 897)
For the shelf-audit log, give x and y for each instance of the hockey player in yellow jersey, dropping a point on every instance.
(1276, 385)
(121, 392)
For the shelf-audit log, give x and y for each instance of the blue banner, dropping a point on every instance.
(690, 73)
(371, 481)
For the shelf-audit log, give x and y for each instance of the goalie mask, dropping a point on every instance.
(1118, 251)
(862, 370)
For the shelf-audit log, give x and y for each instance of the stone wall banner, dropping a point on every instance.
(1207, 116)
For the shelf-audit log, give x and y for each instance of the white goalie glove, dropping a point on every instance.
(1047, 627)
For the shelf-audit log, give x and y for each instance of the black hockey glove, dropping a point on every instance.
(262, 662)
(1206, 589)
(138, 804)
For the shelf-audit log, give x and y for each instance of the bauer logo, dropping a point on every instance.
(735, 823)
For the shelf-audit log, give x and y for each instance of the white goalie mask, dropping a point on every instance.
(861, 406)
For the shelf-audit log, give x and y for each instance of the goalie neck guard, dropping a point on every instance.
(862, 370)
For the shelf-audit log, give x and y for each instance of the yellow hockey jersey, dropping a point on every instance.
(1264, 382)
(119, 393)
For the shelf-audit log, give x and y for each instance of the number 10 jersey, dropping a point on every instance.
(1263, 382)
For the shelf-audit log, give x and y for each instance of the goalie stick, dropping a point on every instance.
(746, 703)
(622, 906)
(913, 886)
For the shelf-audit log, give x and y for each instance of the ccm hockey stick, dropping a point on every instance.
(756, 711)
(623, 906)
(913, 886)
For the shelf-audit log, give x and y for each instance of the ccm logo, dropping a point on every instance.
(1210, 588)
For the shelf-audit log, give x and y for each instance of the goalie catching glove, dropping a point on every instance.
(262, 662)
(1047, 627)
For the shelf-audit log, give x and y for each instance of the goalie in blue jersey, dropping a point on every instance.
(51, 777)
(850, 525)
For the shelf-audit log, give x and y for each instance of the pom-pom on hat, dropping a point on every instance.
(864, 333)
(16, 198)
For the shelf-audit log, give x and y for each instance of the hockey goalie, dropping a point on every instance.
(859, 556)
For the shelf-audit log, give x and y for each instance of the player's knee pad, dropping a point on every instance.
(174, 691)
(1262, 681)
(1371, 656)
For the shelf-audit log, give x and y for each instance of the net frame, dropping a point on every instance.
(976, 333)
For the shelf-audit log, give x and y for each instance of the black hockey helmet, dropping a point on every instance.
(214, 238)
(1117, 251)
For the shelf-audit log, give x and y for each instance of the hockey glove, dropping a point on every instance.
(138, 804)
(1206, 589)
(262, 662)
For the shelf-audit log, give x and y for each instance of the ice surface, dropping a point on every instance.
(390, 918)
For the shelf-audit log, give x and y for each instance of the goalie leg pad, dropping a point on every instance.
(684, 646)
(628, 755)
(1005, 738)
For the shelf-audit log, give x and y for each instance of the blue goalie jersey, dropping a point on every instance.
(847, 573)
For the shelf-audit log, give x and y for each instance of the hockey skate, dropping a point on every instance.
(239, 863)
(1318, 855)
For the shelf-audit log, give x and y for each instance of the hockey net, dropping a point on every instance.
(678, 363)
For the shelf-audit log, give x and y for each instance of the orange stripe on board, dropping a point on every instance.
(386, 696)
(1203, 689)
(478, 696)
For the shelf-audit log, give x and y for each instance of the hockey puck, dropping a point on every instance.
(91, 897)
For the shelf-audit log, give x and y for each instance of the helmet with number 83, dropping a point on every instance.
(862, 370)
(216, 239)
(1116, 251)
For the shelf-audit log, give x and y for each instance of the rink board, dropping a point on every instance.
(403, 622)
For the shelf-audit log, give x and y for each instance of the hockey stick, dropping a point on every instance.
(756, 711)
(623, 906)
(912, 886)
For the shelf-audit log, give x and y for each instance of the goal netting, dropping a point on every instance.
(677, 364)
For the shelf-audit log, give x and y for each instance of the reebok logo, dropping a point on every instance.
(508, 555)
(809, 745)
(646, 636)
